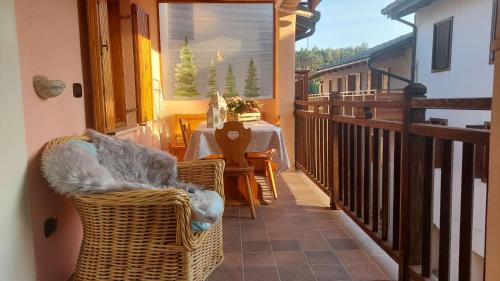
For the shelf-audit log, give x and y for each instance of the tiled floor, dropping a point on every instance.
(297, 237)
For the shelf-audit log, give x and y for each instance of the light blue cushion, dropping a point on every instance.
(89, 147)
(198, 226)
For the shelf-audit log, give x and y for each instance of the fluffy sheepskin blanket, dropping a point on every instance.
(120, 166)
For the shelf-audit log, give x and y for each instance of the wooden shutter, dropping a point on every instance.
(100, 65)
(358, 82)
(142, 61)
(369, 80)
(441, 53)
(340, 84)
(386, 81)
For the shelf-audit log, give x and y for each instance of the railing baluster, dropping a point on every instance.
(466, 209)
(396, 208)
(352, 168)
(345, 156)
(366, 176)
(375, 183)
(445, 210)
(359, 167)
(340, 160)
(385, 185)
(427, 206)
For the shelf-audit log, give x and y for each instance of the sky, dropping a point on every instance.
(347, 23)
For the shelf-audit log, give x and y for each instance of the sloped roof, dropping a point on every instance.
(394, 44)
(401, 8)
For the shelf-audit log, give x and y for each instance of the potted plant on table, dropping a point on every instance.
(243, 110)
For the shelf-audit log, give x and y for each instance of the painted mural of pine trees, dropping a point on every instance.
(252, 89)
(212, 80)
(185, 73)
(230, 88)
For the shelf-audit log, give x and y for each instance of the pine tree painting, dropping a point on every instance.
(185, 73)
(230, 89)
(252, 89)
(212, 80)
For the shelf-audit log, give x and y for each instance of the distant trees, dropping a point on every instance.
(212, 80)
(252, 89)
(185, 72)
(315, 58)
(230, 89)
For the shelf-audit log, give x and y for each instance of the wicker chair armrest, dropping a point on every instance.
(137, 198)
(169, 208)
(207, 173)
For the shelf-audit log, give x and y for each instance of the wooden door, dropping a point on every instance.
(100, 65)
(142, 61)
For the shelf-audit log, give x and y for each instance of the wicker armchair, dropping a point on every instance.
(146, 234)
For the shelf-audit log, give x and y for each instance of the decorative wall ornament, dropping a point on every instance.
(46, 88)
(217, 111)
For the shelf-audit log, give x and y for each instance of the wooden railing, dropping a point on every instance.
(381, 174)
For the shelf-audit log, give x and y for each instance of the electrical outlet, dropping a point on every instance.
(50, 226)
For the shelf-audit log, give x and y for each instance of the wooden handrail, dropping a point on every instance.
(468, 135)
(457, 104)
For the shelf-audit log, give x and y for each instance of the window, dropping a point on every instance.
(217, 47)
(330, 86)
(441, 49)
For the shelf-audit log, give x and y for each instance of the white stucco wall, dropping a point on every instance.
(16, 241)
(470, 75)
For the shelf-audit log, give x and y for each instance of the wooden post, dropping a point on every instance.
(333, 149)
(411, 182)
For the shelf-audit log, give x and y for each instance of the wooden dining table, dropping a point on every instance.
(265, 137)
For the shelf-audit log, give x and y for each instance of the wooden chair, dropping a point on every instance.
(233, 139)
(266, 157)
(186, 131)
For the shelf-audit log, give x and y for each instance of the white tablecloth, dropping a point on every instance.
(264, 137)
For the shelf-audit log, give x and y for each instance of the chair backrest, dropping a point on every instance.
(186, 131)
(233, 139)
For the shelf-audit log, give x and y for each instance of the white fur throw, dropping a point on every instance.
(120, 166)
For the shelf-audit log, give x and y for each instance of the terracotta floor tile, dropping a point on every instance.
(255, 246)
(366, 272)
(296, 273)
(343, 244)
(309, 233)
(232, 246)
(290, 258)
(232, 260)
(335, 234)
(226, 273)
(254, 235)
(321, 257)
(335, 272)
(284, 234)
(353, 257)
(285, 245)
(260, 274)
(258, 259)
(297, 224)
(313, 244)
